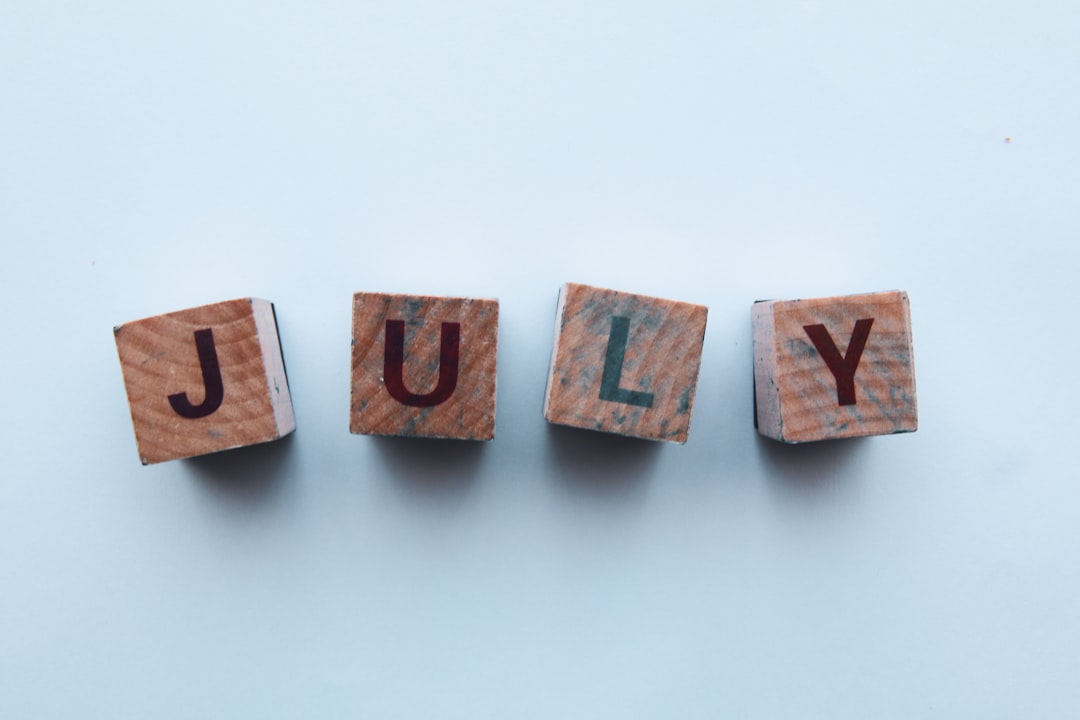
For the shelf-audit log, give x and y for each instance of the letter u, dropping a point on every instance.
(394, 362)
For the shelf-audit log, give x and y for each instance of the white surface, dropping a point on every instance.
(157, 156)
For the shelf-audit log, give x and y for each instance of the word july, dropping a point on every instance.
(212, 378)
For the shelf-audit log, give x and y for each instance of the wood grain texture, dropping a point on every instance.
(796, 394)
(159, 358)
(468, 413)
(659, 369)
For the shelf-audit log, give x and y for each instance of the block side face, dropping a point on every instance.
(560, 307)
(468, 412)
(912, 416)
(766, 382)
(691, 371)
(884, 380)
(277, 382)
(661, 359)
(159, 357)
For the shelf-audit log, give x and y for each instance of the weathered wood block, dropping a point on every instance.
(205, 379)
(625, 364)
(424, 366)
(836, 367)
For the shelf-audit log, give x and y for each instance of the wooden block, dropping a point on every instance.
(624, 364)
(836, 367)
(424, 366)
(205, 379)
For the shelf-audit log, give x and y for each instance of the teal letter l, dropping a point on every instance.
(613, 364)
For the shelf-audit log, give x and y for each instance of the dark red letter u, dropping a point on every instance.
(394, 362)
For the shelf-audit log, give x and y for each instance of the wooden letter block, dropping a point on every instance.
(624, 364)
(835, 367)
(205, 379)
(424, 366)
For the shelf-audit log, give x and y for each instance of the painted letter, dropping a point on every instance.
(211, 372)
(613, 364)
(842, 368)
(394, 361)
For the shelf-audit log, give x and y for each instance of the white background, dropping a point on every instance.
(158, 156)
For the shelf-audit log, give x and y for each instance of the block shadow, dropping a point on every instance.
(436, 470)
(809, 469)
(601, 465)
(248, 476)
